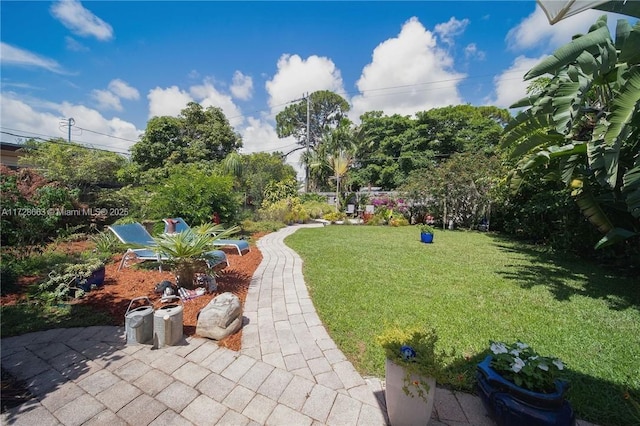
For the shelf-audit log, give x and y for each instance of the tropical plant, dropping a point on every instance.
(190, 251)
(426, 229)
(583, 126)
(106, 244)
(520, 364)
(414, 350)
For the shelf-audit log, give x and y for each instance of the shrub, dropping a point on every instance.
(399, 221)
(252, 227)
(274, 212)
(317, 209)
(195, 194)
(8, 276)
(334, 216)
(29, 209)
(376, 220)
(287, 210)
(65, 280)
(106, 244)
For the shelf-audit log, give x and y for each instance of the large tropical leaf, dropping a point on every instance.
(629, 51)
(591, 209)
(568, 53)
(631, 188)
(615, 236)
(624, 106)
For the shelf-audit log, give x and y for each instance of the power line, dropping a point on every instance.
(50, 137)
(104, 134)
(61, 142)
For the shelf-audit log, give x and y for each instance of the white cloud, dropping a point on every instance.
(123, 90)
(296, 76)
(207, 95)
(510, 86)
(453, 28)
(110, 99)
(10, 55)
(106, 100)
(169, 101)
(408, 73)
(259, 135)
(81, 21)
(31, 119)
(471, 52)
(74, 45)
(242, 86)
(535, 30)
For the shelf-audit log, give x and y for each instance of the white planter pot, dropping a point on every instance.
(405, 409)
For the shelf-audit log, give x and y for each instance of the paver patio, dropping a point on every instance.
(289, 372)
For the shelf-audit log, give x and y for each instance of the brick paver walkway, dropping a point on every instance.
(289, 371)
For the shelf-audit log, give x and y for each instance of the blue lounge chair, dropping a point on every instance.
(134, 234)
(179, 225)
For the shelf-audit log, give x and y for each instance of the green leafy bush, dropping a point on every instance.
(64, 281)
(334, 216)
(30, 210)
(286, 210)
(195, 194)
(317, 209)
(399, 221)
(252, 227)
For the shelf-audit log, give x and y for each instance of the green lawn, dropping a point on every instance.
(475, 287)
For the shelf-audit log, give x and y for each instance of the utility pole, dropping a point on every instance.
(71, 123)
(308, 140)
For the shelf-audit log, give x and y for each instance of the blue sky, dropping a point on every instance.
(113, 65)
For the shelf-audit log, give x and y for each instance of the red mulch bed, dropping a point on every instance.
(120, 287)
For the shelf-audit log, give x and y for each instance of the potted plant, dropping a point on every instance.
(426, 233)
(412, 366)
(74, 279)
(518, 386)
(189, 251)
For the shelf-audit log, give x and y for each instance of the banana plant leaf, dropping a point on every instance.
(615, 236)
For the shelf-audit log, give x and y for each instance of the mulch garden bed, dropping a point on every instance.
(120, 287)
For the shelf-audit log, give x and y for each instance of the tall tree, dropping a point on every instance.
(258, 170)
(388, 148)
(310, 120)
(73, 164)
(457, 189)
(462, 128)
(583, 127)
(197, 134)
(326, 112)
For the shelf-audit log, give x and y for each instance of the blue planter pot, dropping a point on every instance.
(512, 405)
(426, 238)
(96, 278)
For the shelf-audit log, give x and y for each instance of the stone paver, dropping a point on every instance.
(289, 371)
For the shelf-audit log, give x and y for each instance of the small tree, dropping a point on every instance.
(193, 192)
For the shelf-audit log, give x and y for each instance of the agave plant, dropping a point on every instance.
(585, 119)
(190, 251)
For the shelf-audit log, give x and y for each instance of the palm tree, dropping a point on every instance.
(586, 120)
(340, 163)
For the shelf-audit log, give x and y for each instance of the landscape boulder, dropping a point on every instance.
(221, 317)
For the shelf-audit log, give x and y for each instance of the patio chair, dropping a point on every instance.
(180, 225)
(134, 234)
